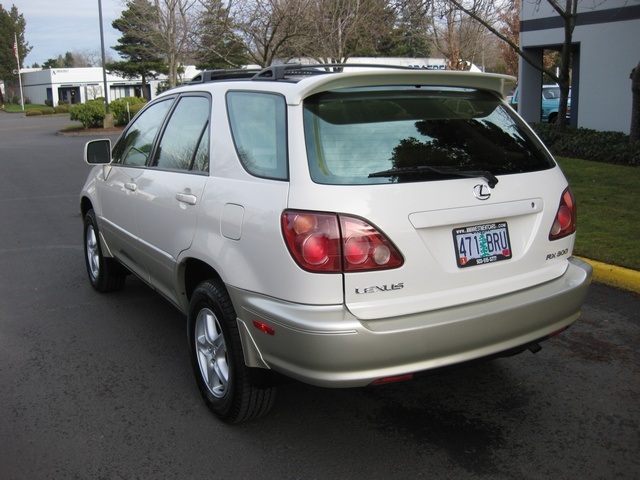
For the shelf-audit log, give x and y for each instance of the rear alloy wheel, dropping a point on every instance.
(217, 360)
(105, 274)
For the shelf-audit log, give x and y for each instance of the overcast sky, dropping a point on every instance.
(55, 27)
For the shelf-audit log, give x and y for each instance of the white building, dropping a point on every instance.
(78, 85)
(426, 63)
(606, 47)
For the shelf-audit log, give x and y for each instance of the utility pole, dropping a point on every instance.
(108, 118)
(15, 51)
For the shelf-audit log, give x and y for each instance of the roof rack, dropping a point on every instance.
(289, 71)
(222, 74)
(281, 72)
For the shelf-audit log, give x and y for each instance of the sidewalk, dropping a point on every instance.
(618, 277)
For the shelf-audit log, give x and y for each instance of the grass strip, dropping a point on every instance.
(608, 199)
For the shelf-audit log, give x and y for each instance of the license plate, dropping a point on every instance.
(481, 244)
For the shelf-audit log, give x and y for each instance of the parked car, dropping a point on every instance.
(340, 228)
(550, 104)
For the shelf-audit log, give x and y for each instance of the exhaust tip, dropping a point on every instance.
(534, 347)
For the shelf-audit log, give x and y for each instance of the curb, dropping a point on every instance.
(95, 132)
(613, 276)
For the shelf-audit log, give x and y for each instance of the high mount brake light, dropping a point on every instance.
(330, 243)
(565, 221)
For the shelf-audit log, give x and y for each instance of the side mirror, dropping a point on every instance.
(98, 152)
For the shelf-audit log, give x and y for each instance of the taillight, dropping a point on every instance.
(313, 240)
(365, 248)
(330, 243)
(565, 221)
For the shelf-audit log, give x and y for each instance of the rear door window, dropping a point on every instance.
(185, 141)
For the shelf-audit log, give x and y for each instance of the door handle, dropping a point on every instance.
(131, 186)
(186, 198)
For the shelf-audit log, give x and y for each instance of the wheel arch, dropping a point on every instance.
(243, 399)
(194, 271)
(85, 205)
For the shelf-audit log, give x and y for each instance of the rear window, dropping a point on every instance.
(407, 134)
(551, 93)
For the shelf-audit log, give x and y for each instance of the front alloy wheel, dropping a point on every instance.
(105, 274)
(93, 254)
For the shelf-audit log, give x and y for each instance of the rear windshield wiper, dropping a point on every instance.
(444, 171)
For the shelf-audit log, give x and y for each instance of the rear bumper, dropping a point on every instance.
(327, 346)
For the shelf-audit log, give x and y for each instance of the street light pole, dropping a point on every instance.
(108, 118)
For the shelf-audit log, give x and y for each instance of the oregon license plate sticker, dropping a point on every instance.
(482, 244)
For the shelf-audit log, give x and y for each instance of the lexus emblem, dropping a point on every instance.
(482, 191)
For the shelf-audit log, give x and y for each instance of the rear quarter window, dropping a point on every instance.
(258, 125)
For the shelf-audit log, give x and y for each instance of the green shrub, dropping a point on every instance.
(607, 147)
(61, 109)
(48, 102)
(119, 109)
(47, 110)
(90, 114)
(32, 113)
(135, 109)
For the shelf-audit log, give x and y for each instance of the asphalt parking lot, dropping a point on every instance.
(100, 386)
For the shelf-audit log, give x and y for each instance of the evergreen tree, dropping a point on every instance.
(135, 45)
(12, 26)
(69, 61)
(54, 62)
(218, 45)
(410, 36)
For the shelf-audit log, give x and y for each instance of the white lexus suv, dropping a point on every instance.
(336, 225)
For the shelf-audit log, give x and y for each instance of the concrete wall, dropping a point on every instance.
(607, 45)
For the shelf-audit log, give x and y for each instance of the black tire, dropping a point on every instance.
(217, 359)
(105, 274)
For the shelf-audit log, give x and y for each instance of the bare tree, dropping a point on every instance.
(328, 31)
(175, 22)
(271, 28)
(567, 12)
(459, 38)
(510, 19)
(77, 59)
(89, 58)
(346, 28)
(168, 26)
